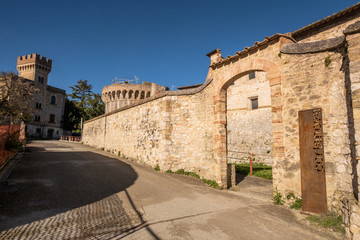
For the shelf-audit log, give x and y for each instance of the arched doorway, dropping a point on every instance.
(249, 123)
(225, 80)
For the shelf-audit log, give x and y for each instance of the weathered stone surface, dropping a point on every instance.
(313, 47)
(353, 28)
(173, 132)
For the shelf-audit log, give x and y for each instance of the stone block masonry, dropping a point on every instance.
(174, 132)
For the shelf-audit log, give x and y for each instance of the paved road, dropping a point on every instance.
(61, 190)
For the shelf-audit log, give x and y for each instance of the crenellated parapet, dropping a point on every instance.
(34, 58)
(121, 94)
(34, 67)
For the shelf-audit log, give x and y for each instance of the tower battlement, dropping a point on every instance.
(34, 58)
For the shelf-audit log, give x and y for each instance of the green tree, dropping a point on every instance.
(83, 104)
(72, 115)
(81, 92)
(96, 106)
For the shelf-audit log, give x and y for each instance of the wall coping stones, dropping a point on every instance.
(353, 28)
(185, 92)
(313, 47)
(249, 50)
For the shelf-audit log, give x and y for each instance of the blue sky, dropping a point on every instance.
(165, 42)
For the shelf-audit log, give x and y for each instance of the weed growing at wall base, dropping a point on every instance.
(211, 183)
(157, 168)
(297, 204)
(329, 220)
(182, 171)
(278, 198)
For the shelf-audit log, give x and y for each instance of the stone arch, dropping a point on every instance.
(142, 96)
(118, 94)
(124, 94)
(136, 94)
(148, 94)
(130, 93)
(226, 77)
(113, 95)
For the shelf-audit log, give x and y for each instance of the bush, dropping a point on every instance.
(12, 142)
(157, 168)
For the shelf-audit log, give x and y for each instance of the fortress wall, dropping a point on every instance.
(174, 132)
(191, 131)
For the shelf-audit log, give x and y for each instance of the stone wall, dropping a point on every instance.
(315, 85)
(196, 130)
(172, 131)
(249, 130)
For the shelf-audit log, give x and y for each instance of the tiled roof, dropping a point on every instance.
(247, 50)
(326, 20)
(291, 36)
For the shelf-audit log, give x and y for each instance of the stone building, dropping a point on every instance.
(118, 95)
(49, 101)
(301, 112)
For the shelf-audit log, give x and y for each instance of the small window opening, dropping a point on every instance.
(254, 103)
(251, 75)
(53, 100)
(52, 118)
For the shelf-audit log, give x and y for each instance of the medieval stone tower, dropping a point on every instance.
(34, 67)
(49, 101)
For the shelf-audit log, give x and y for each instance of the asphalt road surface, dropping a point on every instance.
(60, 190)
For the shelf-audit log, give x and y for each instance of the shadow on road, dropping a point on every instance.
(46, 183)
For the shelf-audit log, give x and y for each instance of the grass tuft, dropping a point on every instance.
(328, 220)
(211, 183)
(182, 171)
